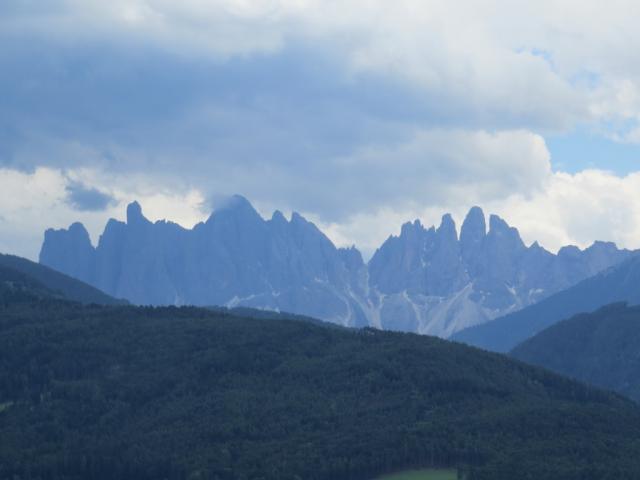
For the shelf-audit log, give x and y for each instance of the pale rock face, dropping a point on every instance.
(472, 236)
(69, 251)
(476, 278)
(426, 280)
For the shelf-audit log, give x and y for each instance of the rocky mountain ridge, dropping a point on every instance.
(620, 283)
(426, 280)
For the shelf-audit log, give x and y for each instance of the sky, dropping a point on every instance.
(359, 114)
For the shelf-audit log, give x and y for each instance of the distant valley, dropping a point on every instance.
(426, 280)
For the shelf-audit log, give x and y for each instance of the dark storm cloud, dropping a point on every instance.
(291, 104)
(293, 127)
(142, 110)
(298, 105)
(83, 198)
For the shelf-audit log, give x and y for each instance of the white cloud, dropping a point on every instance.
(33, 202)
(570, 210)
(494, 75)
(524, 60)
(566, 209)
(434, 167)
(578, 209)
(442, 167)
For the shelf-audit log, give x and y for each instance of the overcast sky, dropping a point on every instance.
(361, 115)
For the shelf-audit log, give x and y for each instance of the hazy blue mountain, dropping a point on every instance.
(600, 348)
(235, 258)
(39, 280)
(619, 283)
(425, 280)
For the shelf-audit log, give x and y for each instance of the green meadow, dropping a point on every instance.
(421, 475)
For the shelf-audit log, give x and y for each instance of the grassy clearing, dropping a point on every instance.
(421, 475)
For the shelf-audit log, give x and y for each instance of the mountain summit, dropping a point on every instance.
(235, 258)
(426, 280)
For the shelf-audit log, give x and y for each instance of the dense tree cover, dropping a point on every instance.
(600, 348)
(16, 286)
(55, 281)
(272, 315)
(106, 392)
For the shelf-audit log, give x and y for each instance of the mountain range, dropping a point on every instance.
(426, 280)
(620, 283)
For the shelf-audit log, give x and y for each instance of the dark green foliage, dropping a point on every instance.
(601, 348)
(57, 282)
(15, 286)
(150, 393)
(271, 315)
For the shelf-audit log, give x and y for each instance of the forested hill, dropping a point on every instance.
(183, 393)
(55, 282)
(599, 348)
(16, 287)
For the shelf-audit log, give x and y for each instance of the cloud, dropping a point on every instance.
(279, 140)
(301, 79)
(513, 61)
(480, 63)
(356, 113)
(564, 209)
(435, 167)
(83, 198)
(26, 217)
(579, 208)
(571, 209)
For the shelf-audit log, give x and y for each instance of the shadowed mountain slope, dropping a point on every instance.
(600, 348)
(620, 283)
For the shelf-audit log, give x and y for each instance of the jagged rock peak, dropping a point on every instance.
(497, 224)
(288, 264)
(599, 245)
(474, 227)
(500, 231)
(352, 256)
(235, 202)
(134, 214)
(235, 206)
(409, 227)
(299, 223)
(296, 218)
(76, 233)
(278, 217)
(569, 251)
(78, 229)
(447, 227)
